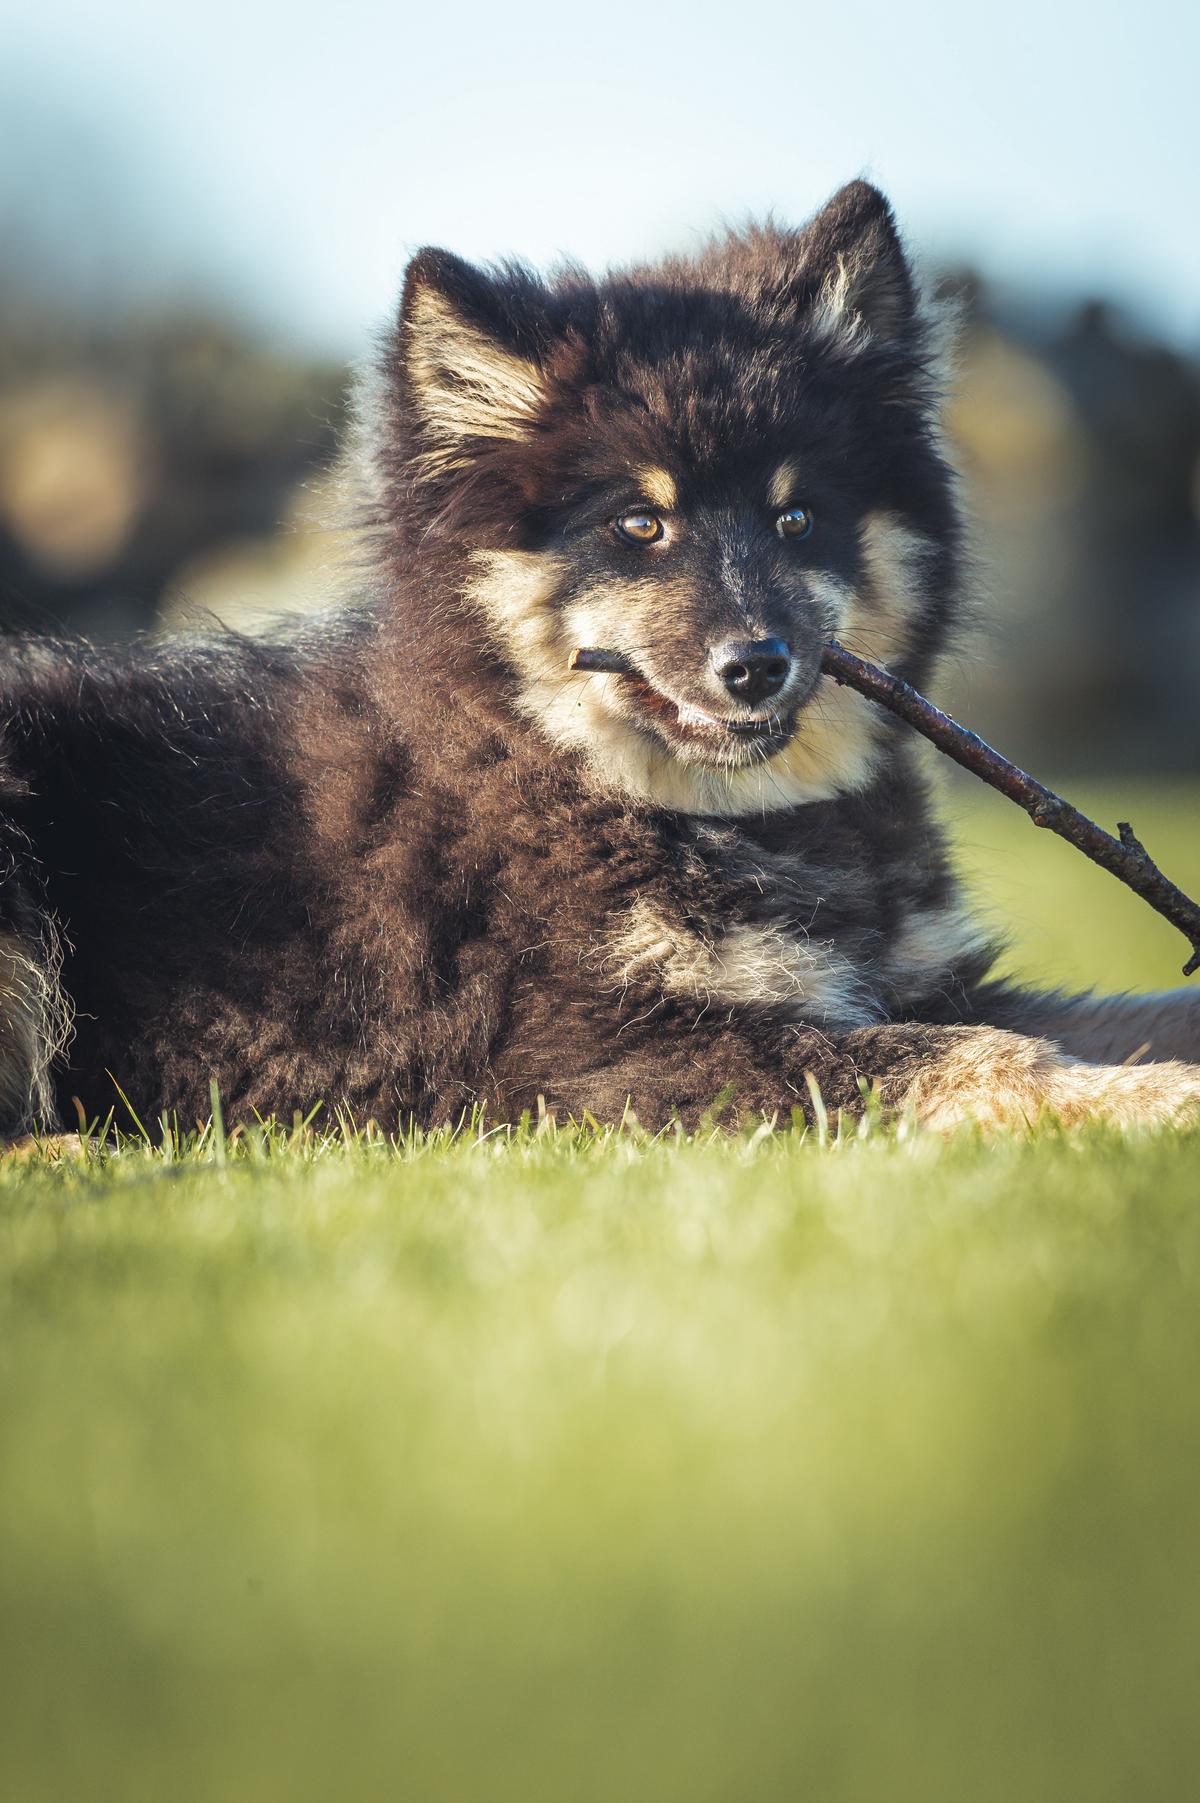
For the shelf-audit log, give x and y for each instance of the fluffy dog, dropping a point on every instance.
(405, 861)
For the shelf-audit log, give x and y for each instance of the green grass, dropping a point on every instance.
(1069, 923)
(576, 1468)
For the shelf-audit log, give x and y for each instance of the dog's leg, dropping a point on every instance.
(1002, 1079)
(1107, 1029)
(944, 1075)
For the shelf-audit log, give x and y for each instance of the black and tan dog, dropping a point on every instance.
(406, 861)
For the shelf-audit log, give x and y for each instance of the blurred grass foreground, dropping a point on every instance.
(561, 1465)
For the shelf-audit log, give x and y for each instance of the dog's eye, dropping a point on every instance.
(639, 528)
(797, 522)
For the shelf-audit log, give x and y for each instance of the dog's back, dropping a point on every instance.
(156, 806)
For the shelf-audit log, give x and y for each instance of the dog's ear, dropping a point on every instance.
(468, 358)
(857, 274)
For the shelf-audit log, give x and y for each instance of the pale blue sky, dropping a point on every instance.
(295, 158)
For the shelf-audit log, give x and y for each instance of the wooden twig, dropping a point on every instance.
(1126, 857)
(601, 663)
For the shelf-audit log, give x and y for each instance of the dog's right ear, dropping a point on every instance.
(468, 360)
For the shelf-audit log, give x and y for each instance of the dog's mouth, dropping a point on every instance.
(723, 738)
(685, 724)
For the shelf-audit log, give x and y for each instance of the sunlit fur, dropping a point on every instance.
(35, 1026)
(405, 862)
(998, 1079)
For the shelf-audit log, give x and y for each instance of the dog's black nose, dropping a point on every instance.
(753, 669)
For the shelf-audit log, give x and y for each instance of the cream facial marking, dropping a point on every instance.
(782, 487)
(658, 487)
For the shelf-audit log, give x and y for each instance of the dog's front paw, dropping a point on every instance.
(1139, 1095)
(1000, 1079)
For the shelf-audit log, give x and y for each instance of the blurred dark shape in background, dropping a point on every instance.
(145, 461)
(1080, 442)
(157, 468)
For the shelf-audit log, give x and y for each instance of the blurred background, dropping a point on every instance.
(206, 214)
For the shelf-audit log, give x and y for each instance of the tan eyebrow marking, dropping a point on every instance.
(658, 486)
(783, 483)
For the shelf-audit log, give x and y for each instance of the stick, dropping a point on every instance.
(1125, 858)
(601, 663)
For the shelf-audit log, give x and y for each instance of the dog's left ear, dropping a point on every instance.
(859, 277)
(470, 371)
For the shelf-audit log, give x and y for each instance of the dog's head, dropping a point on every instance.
(709, 467)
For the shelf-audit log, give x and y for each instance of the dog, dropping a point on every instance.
(406, 862)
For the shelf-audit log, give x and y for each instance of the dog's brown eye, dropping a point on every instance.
(797, 522)
(640, 528)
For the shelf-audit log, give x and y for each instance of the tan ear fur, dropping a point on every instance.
(464, 384)
(867, 291)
